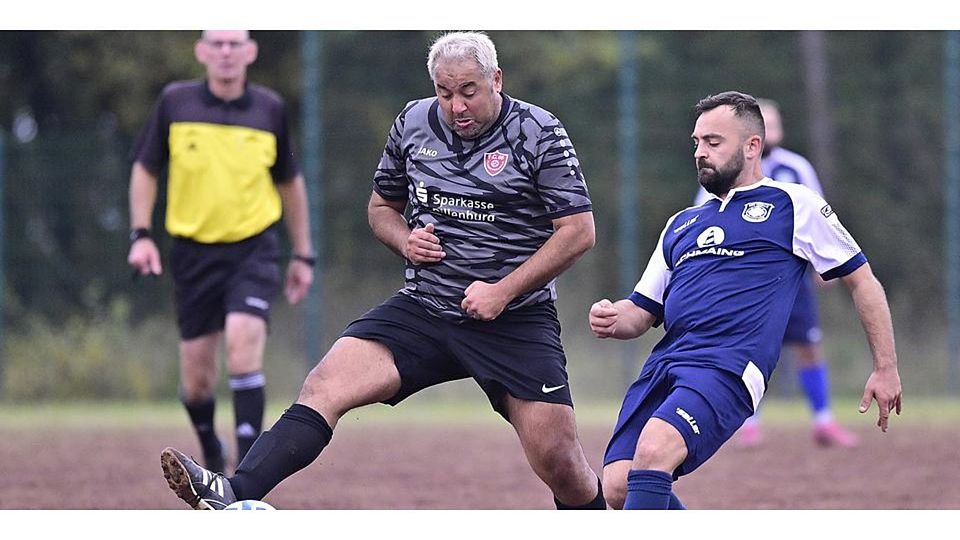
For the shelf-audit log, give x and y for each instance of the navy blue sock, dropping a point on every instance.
(201, 416)
(648, 490)
(675, 503)
(294, 442)
(248, 404)
(598, 502)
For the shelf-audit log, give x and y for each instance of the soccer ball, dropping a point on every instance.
(249, 505)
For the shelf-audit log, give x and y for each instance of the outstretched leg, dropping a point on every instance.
(354, 373)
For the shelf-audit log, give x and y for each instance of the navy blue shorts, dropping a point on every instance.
(518, 353)
(804, 323)
(211, 280)
(706, 405)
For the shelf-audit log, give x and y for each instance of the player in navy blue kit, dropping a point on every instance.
(803, 334)
(722, 282)
(497, 208)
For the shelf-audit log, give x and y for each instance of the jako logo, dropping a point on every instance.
(713, 236)
(429, 152)
(690, 420)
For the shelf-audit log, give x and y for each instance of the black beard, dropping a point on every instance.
(720, 180)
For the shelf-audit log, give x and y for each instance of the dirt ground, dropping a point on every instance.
(482, 467)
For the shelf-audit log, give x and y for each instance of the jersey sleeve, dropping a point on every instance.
(152, 147)
(390, 180)
(559, 178)
(820, 238)
(649, 291)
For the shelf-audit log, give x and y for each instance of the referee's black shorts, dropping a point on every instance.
(211, 280)
(518, 353)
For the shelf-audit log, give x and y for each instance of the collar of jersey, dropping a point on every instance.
(723, 203)
(241, 102)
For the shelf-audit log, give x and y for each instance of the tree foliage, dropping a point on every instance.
(90, 92)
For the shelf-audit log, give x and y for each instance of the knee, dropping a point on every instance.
(658, 456)
(315, 385)
(614, 489)
(560, 463)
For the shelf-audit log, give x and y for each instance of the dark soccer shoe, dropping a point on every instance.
(196, 486)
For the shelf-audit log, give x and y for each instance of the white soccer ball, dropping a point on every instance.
(249, 505)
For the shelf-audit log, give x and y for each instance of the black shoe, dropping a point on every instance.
(196, 486)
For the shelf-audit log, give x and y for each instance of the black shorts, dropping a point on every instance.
(518, 353)
(211, 280)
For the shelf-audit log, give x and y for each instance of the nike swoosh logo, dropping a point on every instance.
(547, 389)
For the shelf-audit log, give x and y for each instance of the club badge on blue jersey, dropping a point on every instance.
(756, 212)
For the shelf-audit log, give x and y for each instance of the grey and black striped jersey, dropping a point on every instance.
(491, 199)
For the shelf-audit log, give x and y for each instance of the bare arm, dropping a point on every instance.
(572, 237)
(143, 256)
(883, 385)
(619, 320)
(296, 216)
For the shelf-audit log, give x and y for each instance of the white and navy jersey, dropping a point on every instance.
(492, 199)
(783, 166)
(725, 274)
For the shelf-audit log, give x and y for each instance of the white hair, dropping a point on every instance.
(474, 46)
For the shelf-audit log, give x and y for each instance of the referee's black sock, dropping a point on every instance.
(248, 404)
(201, 416)
(294, 442)
(598, 502)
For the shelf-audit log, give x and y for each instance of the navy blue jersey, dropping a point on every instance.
(492, 199)
(725, 274)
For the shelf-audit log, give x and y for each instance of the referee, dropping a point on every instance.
(231, 175)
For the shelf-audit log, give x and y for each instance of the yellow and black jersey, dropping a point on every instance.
(223, 159)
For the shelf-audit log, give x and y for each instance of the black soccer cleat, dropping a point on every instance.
(196, 486)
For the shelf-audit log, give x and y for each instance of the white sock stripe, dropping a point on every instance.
(248, 381)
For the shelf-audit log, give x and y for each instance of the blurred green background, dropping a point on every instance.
(867, 108)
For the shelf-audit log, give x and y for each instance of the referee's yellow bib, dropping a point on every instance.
(219, 183)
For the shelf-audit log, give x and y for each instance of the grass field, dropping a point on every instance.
(434, 453)
(932, 412)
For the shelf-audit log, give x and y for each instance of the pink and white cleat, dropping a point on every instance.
(833, 434)
(749, 435)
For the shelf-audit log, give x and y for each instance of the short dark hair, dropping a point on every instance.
(744, 107)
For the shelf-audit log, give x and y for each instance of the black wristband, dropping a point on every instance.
(139, 233)
(309, 261)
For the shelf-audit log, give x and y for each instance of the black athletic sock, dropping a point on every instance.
(201, 415)
(598, 502)
(248, 403)
(294, 442)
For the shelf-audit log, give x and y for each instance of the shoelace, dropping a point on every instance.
(207, 487)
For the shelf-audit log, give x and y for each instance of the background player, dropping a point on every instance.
(498, 208)
(232, 173)
(803, 335)
(717, 280)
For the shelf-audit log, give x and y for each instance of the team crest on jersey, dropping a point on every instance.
(494, 162)
(755, 212)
